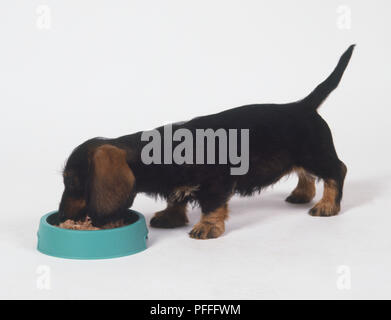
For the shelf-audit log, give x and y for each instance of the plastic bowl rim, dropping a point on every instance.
(45, 223)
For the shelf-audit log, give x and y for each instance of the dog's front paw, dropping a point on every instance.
(298, 198)
(167, 220)
(207, 230)
(324, 210)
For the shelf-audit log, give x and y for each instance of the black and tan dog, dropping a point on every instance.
(102, 176)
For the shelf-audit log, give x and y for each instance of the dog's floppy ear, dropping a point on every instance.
(111, 183)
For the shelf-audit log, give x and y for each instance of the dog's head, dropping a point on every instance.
(98, 181)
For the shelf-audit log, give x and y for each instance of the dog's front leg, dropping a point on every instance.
(213, 199)
(211, 225)
(171, 217)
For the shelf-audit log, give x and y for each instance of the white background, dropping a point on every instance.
(109, 68)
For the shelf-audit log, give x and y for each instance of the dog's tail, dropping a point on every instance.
(316, 97)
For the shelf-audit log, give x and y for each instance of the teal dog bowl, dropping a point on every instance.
(92, 244)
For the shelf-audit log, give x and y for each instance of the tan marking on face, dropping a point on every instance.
(73, 207)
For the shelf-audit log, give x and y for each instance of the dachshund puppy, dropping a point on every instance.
(103, 176)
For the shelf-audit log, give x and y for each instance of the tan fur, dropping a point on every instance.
(171, 217)
(305, 189)
(113, 180)
(328, 205)
(211, 225)
(74, 206)
(181, 193)
(306, 185)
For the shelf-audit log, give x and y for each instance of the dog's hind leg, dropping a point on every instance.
(305, 189)
(329, 205)
(171, 217)
(319, 157)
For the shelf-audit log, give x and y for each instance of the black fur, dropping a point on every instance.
(282, 137)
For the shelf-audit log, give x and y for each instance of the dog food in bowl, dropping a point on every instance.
(86, 224)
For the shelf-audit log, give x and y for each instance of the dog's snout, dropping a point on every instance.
(71, 208)
(61, 216)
